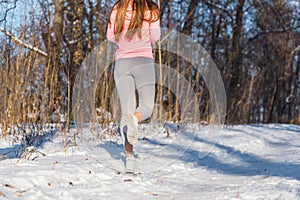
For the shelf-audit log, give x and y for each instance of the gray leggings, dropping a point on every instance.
(133, 74)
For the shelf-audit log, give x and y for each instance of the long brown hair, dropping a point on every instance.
(138, 9)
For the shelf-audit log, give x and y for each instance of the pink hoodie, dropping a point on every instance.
(137, 47)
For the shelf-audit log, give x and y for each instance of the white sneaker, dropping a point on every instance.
(130, 166)
(132, 128)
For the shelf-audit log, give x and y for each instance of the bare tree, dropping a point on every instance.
(255, 45)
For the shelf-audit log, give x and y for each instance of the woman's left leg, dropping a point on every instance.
(125, 85)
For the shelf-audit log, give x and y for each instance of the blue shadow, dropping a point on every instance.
(252, 165)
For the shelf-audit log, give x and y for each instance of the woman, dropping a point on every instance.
(133, 26)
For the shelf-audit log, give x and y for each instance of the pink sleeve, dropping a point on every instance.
(154, 31)
(110, 27)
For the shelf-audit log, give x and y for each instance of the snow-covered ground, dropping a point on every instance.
(246, 162)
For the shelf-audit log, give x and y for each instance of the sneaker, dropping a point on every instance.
(130, 165)
(132, 128)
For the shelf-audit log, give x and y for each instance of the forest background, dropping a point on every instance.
(255, 45)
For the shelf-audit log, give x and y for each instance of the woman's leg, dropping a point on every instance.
(126, 90)
(143, 72)
(131, 74)
(144, 77)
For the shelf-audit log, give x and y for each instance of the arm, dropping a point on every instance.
(110, 27)
(154, 31)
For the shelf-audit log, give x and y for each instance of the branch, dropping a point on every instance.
(212, 5)
(5, 14)
(278, 31)
(28, 46)
(294, 51)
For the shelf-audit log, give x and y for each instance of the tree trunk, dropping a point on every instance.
(234, 87)
(76, 17)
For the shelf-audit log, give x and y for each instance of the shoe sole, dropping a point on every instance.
(132, 135)
(130, 166)
(129, 171)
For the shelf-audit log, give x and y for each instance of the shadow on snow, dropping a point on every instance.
(251, 164)
(35, 140)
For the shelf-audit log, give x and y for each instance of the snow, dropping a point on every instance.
(241, 162)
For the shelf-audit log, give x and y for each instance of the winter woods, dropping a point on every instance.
(255, 45)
